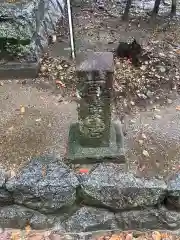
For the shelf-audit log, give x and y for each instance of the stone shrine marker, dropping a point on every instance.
(94, 137)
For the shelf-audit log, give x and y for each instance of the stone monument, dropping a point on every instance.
(94, 137)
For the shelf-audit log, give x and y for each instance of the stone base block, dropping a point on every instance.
(77, 154)
(13, 70)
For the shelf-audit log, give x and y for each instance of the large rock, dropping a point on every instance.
(148, 219)
(15, 216)
(173, 195)
(108, 186)
(139, 219)
(26, 26)
(45, 184)
(5, 196)
(90, 219)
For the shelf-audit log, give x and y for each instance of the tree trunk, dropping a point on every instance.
(173, 7)
(126, 11)
(156, 8)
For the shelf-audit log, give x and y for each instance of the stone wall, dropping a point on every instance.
(48, 194)
(25, 27)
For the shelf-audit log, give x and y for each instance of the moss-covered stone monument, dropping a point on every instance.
(94, 137)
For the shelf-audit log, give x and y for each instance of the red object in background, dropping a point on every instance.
(83, 170)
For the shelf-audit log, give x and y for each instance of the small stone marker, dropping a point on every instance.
(94, 137)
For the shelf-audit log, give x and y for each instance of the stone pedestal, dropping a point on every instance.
(94, 137)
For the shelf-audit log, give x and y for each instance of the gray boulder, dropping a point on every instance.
(45, 184)
(25, 27)
(108, 186)
(173, 195)
(15, 216)
(5, 196)
(139, 219)
(148, 219)
(90, 219)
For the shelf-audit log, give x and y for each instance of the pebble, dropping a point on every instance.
(157, 110)
(1, 84)
(141, 142)
(143, 136)
(132, 121)
(59, 67)
(43, 69)
(149, 93)
(162, 54)
(157, 117)
(162, 69)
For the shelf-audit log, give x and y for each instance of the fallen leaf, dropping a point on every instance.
(115, 237)
(141, 142)
(145, 153)
(28, 228)
(15, 236)
(101, 238)
(38, 119)
(156, 235)
(178, 108)
(144, 136)
(157, 117)
(22, 109)
(129, 236)
(166, 236)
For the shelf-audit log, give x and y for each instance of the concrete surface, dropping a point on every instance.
(42, 128)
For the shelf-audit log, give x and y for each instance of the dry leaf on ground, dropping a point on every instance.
(28, 228)
(156, 235)
(22, 109)
(115, 237)
(15, 236)
(129, 236)
(178, 108)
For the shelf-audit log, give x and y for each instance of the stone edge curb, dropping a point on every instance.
(13, 70)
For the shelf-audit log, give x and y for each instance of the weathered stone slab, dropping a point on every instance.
(90, 219)
(16, 70)
(148, 218)
(108, 186)
(45, 184)
(173, 195)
